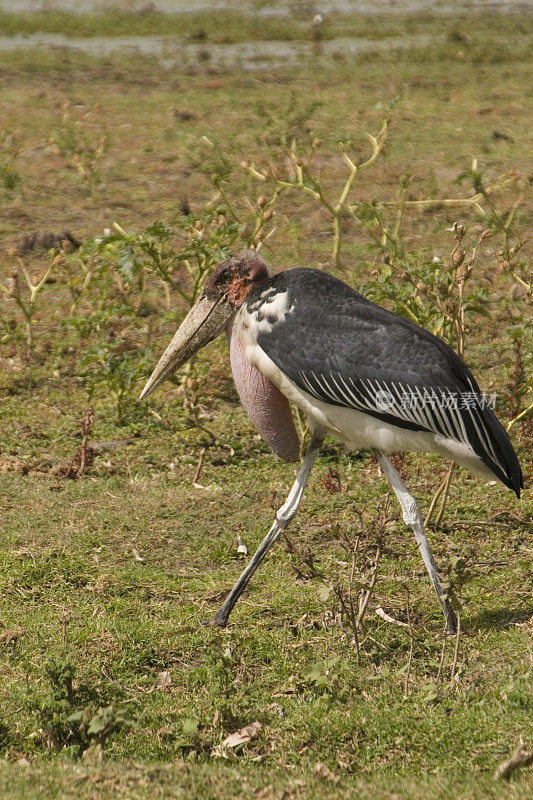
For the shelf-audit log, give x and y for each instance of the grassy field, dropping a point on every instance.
(111, 686)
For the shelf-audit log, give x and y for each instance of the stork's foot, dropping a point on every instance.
(451, 618)
(218, 621)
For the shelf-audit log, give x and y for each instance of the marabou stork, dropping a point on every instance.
(360, 373)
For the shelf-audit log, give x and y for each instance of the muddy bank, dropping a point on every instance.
(246, 55)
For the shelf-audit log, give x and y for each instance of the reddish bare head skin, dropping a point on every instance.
(267, 408)
(236, 277)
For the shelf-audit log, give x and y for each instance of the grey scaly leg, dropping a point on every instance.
(287, 511)
(411, 516)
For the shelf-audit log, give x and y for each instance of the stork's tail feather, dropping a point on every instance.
(502, 459)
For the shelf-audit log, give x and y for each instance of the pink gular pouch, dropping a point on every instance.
(266, 406)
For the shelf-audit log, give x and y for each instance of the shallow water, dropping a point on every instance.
(273, 8)
(248, 55)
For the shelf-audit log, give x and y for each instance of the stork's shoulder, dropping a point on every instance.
(307, 317)
(303, 284)
(306, 293)
(314, 301)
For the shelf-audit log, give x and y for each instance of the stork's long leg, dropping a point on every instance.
(411, 516)
(283, 516)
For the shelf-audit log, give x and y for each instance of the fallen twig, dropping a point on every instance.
(445, 491)
(199, 467)
(387, 617)
(86, 429)
(85, 454)
(159, 418)
(363, 603)
(522, 757)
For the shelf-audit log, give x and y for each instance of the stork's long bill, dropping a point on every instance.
(206, 320)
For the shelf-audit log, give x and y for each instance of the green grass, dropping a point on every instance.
(228, 26)
(194, 26)
(68, 553)
(111, 575)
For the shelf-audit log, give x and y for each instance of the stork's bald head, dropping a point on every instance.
(236, 276)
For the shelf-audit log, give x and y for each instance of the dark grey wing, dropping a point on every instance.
(342, 349)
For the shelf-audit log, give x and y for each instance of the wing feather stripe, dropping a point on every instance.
(482, 434)
(476, 428)
(432, 414)
(305, 380)
(408, 395)
(348, 400)
(451, 419)
(445, 421)
(411, 412)
(398, 410)
(350, 392)
(488, 437)
(365, 388)
(485, 438)
(408, 412)
(427, 420)
(421, 411)
(460, 420)
(323, 381)
(457, 418)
